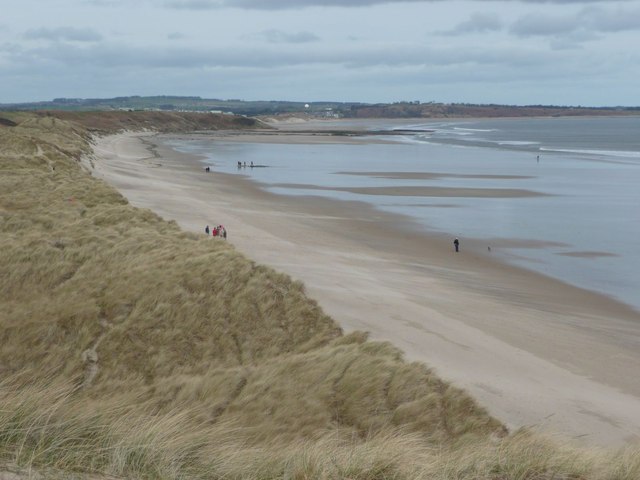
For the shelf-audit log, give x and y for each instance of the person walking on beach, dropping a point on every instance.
(206, 229)
(456, 244)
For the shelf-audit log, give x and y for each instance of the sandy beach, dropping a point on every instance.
(534, 351)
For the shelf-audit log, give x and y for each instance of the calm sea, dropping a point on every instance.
(584, 231)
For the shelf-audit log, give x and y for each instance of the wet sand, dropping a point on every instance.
(534, 351)
(457, 192)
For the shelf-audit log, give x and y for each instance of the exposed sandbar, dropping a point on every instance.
(422, 191)
(587, 254)
(432, 175)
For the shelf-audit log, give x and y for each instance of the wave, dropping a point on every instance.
(607, 153)
(457, 132)
(418, 139)
(517, 143)
(476, 129)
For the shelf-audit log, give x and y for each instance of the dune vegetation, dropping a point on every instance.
(132, 349)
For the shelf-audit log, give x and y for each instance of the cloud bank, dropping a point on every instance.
(481, 51)
(299, 4)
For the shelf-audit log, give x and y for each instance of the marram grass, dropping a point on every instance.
(133, 349)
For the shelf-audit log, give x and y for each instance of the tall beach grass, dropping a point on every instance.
(133, 349)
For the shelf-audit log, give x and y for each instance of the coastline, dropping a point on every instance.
(534, 351)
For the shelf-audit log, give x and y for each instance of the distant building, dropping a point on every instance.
(329, 113)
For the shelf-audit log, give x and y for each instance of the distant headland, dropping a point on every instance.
(325, 109)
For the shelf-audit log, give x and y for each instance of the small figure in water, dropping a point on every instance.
(456, 244)
(538, 159)
(251, 164)
(239, 165)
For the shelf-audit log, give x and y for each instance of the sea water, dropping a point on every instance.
(584, 229)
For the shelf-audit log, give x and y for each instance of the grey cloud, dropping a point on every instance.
(581, 27)
(194, 4)
(11, 48)
(539, 24)
(478, 22)
(617, 20)
(118, 56)
(572, 40)
(64, 33)
(261, 70)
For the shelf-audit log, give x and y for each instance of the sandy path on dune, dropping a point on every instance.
(534, 351)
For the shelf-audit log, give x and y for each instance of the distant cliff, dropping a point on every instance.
(118, 120)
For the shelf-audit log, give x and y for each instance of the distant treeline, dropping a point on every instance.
(404, 109)
(443, 110)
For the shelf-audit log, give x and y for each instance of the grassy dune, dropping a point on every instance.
(133, 349)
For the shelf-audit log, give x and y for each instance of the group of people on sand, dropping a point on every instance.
(217, 231)
(220, 231)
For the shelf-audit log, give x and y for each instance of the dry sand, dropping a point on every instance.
(534, 351)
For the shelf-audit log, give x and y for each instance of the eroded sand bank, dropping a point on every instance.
(534, 351)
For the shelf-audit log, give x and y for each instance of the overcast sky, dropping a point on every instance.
(563, 52)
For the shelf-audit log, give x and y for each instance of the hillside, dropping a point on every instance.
(322, 109)
(133, 349)
(458, 110)
(108, 122)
